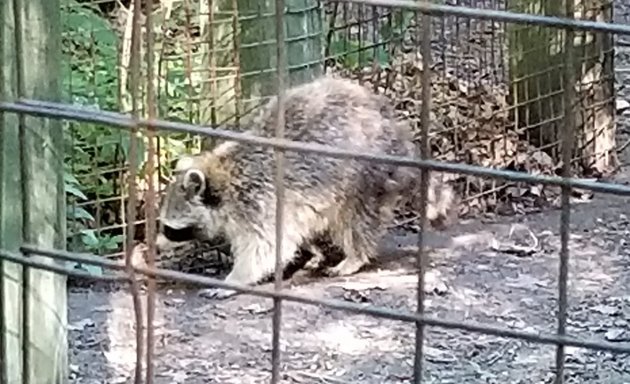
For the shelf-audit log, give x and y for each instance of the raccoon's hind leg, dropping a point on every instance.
(363, 226)
(254, 259)
(358, 239)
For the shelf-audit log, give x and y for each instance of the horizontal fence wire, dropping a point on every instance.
(505, 16)
(366, 309)
(63, 111)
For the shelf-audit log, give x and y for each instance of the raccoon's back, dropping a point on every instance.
(327, 111)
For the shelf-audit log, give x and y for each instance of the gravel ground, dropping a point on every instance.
(473, 278)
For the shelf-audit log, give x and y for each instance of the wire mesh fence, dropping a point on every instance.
(497, 90)
(428, 65)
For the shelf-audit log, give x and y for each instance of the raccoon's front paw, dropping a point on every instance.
(217, 293)
(314, 264)
(345, 267)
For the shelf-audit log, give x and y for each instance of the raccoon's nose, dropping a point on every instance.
(183, 234)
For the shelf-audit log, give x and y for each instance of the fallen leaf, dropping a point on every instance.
(617, 334)
(257, 309)
(607, 310)
(621, 105)
(81, 325)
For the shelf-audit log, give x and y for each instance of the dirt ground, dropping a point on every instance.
(203, 341)
(472, 278)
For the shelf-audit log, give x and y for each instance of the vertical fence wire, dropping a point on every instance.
(279, 188)
(568, 132)
(25, 187)
(3, 304)
(236, 62)
(133, 170)
(422, 261)
(3, 311)
(150, 214)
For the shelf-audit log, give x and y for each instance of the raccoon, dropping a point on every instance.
(229, 191)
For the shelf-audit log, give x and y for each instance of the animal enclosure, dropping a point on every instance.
(484, 85)
(496, 90)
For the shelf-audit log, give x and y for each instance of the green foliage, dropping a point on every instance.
(105, 242)
(78, 217)
(90, 58)
(96, 155)
(90, 79)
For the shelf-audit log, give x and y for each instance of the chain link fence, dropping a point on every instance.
(499, 118)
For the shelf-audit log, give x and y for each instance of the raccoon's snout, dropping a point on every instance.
(178, 235)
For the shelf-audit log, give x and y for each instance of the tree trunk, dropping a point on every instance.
(536, 66)
(596, 92)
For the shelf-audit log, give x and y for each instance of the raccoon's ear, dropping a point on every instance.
(184, 162)
(194, 182)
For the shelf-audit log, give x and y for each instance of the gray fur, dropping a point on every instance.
(350, 200)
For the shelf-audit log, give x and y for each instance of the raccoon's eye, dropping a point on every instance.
(177, 235)
(211, 198)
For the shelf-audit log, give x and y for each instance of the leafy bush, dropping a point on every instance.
(89, 79)
(96, 156)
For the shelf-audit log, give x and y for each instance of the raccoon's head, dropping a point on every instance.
(188, 207)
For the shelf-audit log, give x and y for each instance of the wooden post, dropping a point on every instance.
(38, 32)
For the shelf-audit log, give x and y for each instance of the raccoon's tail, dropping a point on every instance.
(442, 201)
